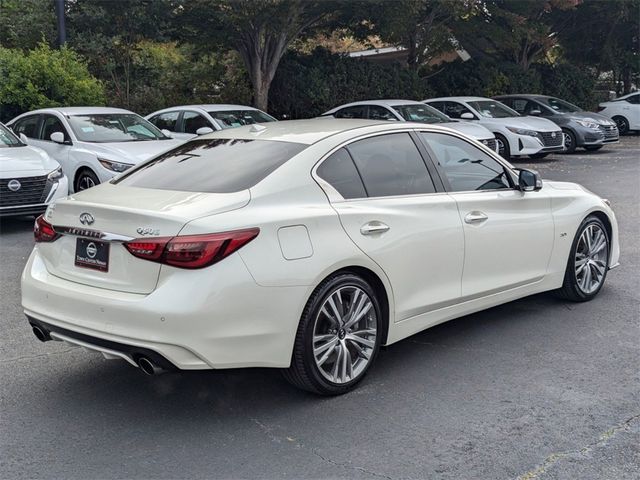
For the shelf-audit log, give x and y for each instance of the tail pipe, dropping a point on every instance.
(149, 367)
(41, 334)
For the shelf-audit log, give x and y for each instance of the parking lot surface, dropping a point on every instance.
(537, 388)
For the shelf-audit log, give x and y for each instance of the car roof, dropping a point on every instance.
(461, 99)
(208, 107)
(380, 102)
(302, 131)
(80, 110)
(523, 95)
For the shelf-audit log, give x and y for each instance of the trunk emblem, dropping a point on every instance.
(148, 231)
(86, 218)
(14, 185)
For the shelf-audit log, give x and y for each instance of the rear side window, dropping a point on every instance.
(212, 166)
(165, 121)
(391, 165)
(357, 111)
(340, 172)
(27, 126)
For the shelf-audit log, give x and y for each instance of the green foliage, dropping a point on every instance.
(45, 78)
(25, 23)
(571, 83)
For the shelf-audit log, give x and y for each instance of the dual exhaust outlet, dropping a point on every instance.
(145, 364)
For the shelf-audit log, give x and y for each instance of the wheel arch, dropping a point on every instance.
(79, 170)
(605, 219)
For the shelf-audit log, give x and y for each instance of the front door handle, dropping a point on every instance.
(374, 227)
(475, 217)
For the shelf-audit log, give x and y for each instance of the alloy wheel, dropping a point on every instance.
(500, 147)
(85, 182)
(344, 334)
(568, 142)
(591, 258)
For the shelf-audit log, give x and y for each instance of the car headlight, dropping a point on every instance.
(523, 131)
(588, 124)
(117, 167)
(55, 175)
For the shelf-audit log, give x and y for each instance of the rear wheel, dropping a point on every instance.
(503, 146)
(588, 262)
(85, 179)
(622, 123)
(569, 141)
(592, 148)
(338, 337)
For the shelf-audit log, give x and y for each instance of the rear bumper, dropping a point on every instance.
(217, 317)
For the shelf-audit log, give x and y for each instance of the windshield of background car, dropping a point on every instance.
(490, 109)
(421, 113)
(8, 139)
(113, 127)
(237, 118)
(560, 106)
(212, 166)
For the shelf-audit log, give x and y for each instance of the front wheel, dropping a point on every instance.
(592, 148)
(85, 179)
(622, 123)
(588, 262)
(569, 141)
(503, 147)
(338, 337)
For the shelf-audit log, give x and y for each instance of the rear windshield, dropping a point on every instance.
(212, 166)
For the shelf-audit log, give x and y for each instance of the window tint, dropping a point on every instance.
(340, 172)
(51, 125)
(358, 111)
(192, 121)
(377, 112)
(455, 110)
(438, 106)
(466, 167)
(634, 99)
(391, 165)
(523, 106)
(237, 118)
(27, 126)
(166, 121)
(213, 166)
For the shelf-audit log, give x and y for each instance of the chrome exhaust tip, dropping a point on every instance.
(148, 367)
(40, 334)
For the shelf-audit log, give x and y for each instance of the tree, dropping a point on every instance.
(25, 23)
(260, 30)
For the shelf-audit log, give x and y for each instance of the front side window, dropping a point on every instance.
(238, 118)
(28, 126)
(391, 165)
(377, 112)
(493, 109)
(113, 127)
(166, 121)
(357, 111)
(212, 166)
(8, 139)
(455, 110)
(420, 113)
(340, 172)
(52, 124)
(466, 167)
(193, 121)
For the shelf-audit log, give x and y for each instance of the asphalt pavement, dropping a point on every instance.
(534, 389)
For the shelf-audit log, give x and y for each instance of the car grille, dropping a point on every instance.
(551, 139)
(491, 143)
(33, 190)
(610, 131)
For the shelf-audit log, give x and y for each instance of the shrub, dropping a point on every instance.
(44, 78)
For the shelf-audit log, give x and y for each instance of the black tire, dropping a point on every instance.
(85, 179)
(303, 372)
(622, 123)
(538, 156)
(569, 141)
(593, 148)
(570, 289)
(504, 151)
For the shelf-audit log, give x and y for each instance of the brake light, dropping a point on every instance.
(191, 251)
(43, 231)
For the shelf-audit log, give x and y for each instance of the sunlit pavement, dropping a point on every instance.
(537, 388)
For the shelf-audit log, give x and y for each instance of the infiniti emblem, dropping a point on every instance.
(86, 218)
(14, 185)
(92, 250)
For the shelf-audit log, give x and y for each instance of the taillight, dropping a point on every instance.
(191, 251)
(43, 231)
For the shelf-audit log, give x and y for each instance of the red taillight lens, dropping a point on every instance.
(43, 231)
(191, 251)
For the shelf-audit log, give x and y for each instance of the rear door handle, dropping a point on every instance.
(374, 227)
(475, 217)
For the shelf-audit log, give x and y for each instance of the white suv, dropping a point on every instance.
(92, 144)
(516, 135)
(625, 111)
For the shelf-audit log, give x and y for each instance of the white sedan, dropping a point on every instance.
(306, 245)
(92, 144)
(188, 121)
(410, 111)
(516, 135)
(625, 111)
(29, 178)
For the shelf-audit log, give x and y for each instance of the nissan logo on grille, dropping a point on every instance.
(86, 218)
(14, 185)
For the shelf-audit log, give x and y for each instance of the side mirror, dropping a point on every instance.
(529, 180)
(23, 138)
(166, 133)
(467, 116)
(204, 130)
(535, 113)
(57, 137)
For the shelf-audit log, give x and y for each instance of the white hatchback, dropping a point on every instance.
(516, 135)
(29, 178)
(306, 245)
(92, 144)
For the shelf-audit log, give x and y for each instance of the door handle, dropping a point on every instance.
(475, 217)
(374, 227)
